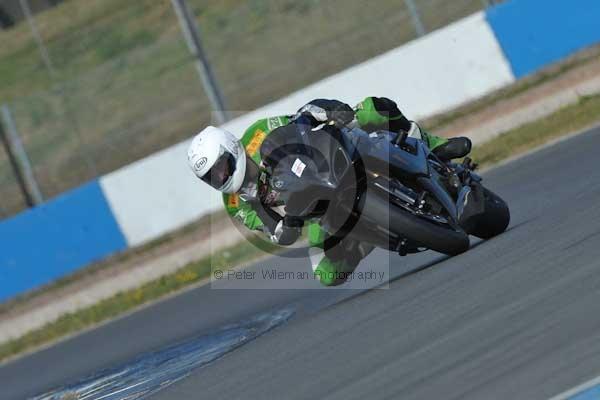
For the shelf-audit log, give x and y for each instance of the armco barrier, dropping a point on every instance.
(535, 33)
(56, 238)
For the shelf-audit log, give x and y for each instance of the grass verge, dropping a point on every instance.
(114, 61)
(121, 66)
(521, 139)
(569, 119)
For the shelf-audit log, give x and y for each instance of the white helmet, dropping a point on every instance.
(218, 158)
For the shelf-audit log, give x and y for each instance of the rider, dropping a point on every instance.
(235, 168)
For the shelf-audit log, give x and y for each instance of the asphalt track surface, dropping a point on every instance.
(516, 317)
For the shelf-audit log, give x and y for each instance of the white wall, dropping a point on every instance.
(432, 74)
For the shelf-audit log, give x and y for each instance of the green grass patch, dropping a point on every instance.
(519, 140)
(125, 85)
(124, 77)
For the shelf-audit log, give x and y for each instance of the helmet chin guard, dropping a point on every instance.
(218, 158)
(234, 184)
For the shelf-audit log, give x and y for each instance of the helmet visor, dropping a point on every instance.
(221, 171)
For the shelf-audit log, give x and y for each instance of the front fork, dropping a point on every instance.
(471, 199)
(462, 185)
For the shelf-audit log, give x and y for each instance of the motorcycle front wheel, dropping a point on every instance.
(437, 237)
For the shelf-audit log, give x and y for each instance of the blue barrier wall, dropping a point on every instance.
(535, 33)
(54, 239)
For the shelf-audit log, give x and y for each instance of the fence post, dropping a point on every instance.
(192, 37)
(415, 17)
(37, 37)
(19, 160)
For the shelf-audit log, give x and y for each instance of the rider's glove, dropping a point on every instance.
(322, 111)
(341, 114)
(287, 231)
(316, 113)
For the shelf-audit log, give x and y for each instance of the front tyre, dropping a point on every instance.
(436, 237)
(495, 218)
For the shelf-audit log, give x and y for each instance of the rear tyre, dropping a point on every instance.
(495, 219)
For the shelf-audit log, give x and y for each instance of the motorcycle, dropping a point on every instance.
(382, 188)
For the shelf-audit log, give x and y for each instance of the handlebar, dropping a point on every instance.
(401, 138)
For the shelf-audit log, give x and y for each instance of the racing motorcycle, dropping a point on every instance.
(383, 188)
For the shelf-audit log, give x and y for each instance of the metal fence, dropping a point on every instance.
(119, 82)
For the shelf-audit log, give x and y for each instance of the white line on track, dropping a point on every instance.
(577, 389)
